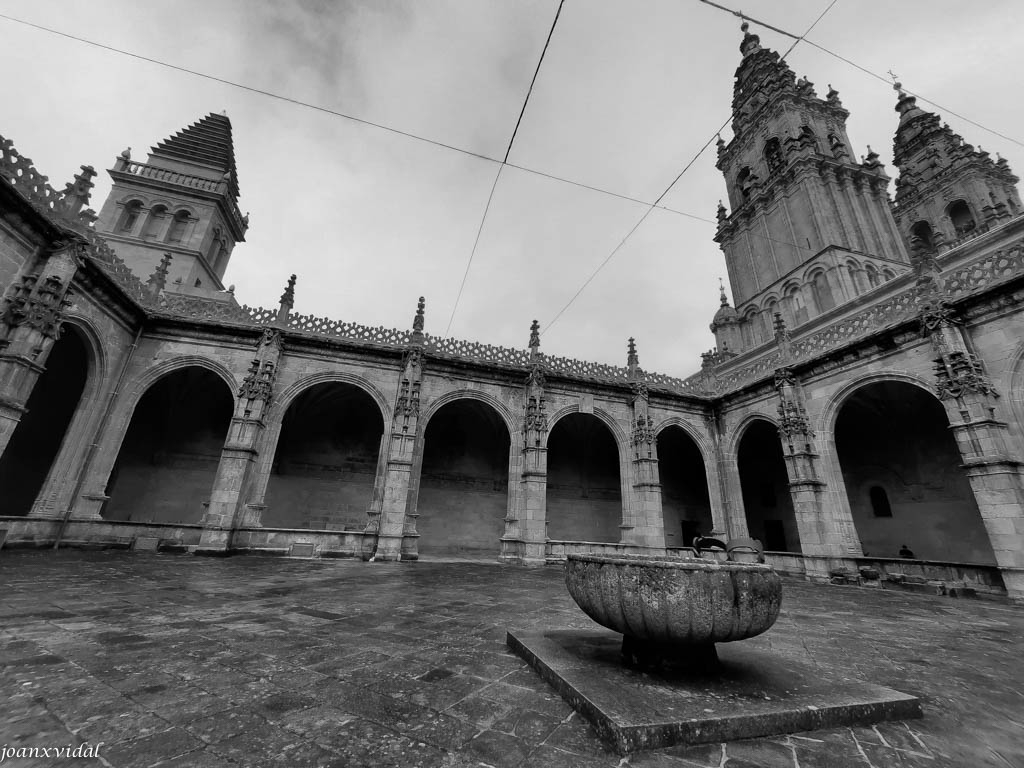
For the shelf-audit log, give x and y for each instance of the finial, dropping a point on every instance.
(288, 297)
(158, 279)
(417, 321)
(744, 26)
(895, 77)
(231, 289)
(632, 360)
(534, 336)
(721, 293)
(224, 112)
(127, 154)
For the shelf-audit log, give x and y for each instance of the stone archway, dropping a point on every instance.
(584, 492)
(36, 441)
(685, 500)
(764, 484)
(168, 459)
(462, 499)
(904, 482)
(325, 462)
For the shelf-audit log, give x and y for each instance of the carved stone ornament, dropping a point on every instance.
(258, 383)
(936, 313)
(959, 375)
(37, 305)
(408, 403)
(535, 418)
(793, 421)
(784, 377)
(640, 390)
(271, 336)
(643, 433)
(536, 377)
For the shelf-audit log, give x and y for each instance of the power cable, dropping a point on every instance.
(511, 141)
(678, 176)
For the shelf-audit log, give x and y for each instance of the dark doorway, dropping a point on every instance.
(325, 463)
(463, 491)
(685, 502)
(765, 487)
(39, 435)
(901, 466)
(168, 460)
(584, 496)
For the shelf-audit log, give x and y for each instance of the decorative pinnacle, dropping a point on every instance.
(721, 293)
(534, 336)
(417, 321)
(288, 297)
(158, 279)
(632, 359)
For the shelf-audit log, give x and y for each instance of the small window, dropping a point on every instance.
(132, 211)
(743, 182)
(822, 291)
(923, 230)
(960, 215)
(176, 233)
(773, 154)
(880, 502)
(872, 271)
(155, 222)
(851, 271)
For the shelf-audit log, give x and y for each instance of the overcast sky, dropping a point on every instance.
(629, 91)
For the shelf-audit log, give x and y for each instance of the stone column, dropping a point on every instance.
(391, 522)
(31, 319)
(726, 521)
(238, 458)
(983, 439)
(798, 450)
(525, 538)
(648, 524)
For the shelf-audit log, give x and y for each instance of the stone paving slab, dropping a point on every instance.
(752, 693)
(171, 660)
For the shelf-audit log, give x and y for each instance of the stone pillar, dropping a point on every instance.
(393, 522)
(727, 517)
(647, 527)
(31, 319)
(798, 450)
(238, 458)
(525, 538)
(983, 439)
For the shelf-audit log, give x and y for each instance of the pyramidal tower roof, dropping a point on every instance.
(207, 142)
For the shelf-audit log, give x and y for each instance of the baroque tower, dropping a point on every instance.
(182, 201)
(946, 189)
(809, 227)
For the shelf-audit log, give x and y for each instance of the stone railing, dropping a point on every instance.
(690, 386)
(583, 369)
(172, 177)
(115, 268)
(23, 176)
(477, 352)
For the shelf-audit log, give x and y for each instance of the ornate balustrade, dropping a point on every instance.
(172, 177)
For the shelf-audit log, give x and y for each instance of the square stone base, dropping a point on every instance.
(754, 693)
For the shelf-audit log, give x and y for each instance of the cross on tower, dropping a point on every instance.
(893, 75)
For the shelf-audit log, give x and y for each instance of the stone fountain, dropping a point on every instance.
(671, 611)
(670, 670)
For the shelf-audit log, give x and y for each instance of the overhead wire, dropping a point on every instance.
(668, 189)
(508, 150)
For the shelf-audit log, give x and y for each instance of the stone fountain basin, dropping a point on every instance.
(675, 600)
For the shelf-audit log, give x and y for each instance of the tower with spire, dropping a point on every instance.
(809, 226)
(946, 189)
(182, 201)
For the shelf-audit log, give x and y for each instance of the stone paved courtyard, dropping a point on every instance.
(172, 660)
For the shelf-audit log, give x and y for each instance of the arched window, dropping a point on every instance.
(155, 222)
(771, 309)
(923, 230)
(880, 502)
(872, 273)
(822, 291)
(773, 154)
(131, 214)
(888, 274)
(176, 232)
(743, 182)
(797, 306)
(960, 215)
(851, 272)
(807, 136)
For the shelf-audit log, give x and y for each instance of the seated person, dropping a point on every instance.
(905, 552)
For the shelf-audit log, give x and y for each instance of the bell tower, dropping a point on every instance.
(182, 201)
(946, 189)
(809, 226)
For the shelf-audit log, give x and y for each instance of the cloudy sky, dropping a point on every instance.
(370, 220)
